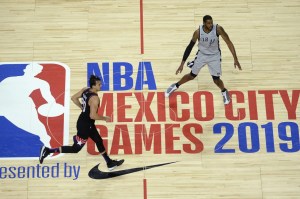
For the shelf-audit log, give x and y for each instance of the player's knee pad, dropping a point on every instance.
(192, 75)
(215, 77)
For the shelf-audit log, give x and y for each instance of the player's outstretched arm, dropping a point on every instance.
(188, 50)
(230, 45)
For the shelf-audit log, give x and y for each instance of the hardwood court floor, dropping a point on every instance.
(251, 152)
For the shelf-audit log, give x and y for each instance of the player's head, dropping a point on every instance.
(208, 22)
(95, 82)
(33, 69)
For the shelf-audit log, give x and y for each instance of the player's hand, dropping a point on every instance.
(179, 70)
(237, 64)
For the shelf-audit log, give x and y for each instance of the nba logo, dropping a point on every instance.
(34, 108)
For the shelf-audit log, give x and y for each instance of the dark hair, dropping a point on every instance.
(207, 17)
(93, 79)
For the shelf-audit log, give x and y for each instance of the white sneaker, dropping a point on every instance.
(170, 90)
(226, 97)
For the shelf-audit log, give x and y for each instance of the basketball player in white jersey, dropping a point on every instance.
(209, 53)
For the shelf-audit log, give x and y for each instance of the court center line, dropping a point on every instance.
(142, 26)
(145, 188)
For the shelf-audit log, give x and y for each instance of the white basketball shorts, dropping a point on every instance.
(212, 61)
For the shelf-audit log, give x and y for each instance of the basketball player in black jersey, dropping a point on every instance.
(86, 124)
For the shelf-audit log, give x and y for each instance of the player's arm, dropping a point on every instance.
(230, 45)
(188, 50)
(75, 98)
(94, 103)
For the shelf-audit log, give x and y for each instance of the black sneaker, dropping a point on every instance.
(44, 153)
(114, 163)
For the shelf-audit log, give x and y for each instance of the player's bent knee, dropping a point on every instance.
(215, 78)
(77, 148)
(192, 76)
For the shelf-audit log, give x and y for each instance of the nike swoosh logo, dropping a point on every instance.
(95, 173)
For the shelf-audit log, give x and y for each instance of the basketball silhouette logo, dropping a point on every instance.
(34, 109)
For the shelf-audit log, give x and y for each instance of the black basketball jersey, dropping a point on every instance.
(85, 114)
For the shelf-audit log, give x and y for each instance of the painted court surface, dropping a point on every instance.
(186, 146)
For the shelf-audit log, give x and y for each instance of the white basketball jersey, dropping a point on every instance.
(209, 42)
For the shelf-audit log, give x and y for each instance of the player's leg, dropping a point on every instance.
(175, 86)
(111, 164)
(188, 77)
(75, 148)
(224, 91)
(196, 66)
(79, 141)
(78, 144)
(217, 80)
(215, 70)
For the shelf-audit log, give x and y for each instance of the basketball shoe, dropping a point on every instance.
(170, 90)
(226, 97)
(44, 153)
(114, 163)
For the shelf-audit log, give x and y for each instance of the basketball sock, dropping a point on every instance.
(54, 150)
(106, 157)
(177, 85)
(224, 90)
